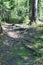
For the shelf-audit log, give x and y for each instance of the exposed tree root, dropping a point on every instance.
(32, 50)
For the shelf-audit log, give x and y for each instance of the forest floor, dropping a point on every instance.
(21, 45)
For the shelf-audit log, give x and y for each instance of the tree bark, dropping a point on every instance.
(1, 30)
(34, 16)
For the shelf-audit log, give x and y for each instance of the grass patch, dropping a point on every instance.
(11, 54)
(23, 52)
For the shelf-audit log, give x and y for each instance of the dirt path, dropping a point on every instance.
(12, 38)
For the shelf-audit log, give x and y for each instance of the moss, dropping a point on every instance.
(18, 63)
(23, 52)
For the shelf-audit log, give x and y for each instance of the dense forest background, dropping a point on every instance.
(18, 11)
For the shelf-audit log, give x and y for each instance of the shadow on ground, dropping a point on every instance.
(13, 52)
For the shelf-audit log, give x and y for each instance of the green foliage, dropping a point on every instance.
(23, 52)
(20, 8)
(13, 8)
(17, 12)
(40, 9)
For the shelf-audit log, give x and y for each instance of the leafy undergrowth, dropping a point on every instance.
(39, 46)
(37, 40)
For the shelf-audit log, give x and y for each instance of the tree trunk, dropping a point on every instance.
(1, 30)
(34, 16)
